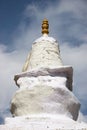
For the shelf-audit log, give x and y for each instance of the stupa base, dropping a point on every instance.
(42, 122)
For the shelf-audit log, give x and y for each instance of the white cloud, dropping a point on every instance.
(75, 56)
(82, 117)
(9, 65)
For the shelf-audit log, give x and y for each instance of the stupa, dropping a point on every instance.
(45, 100)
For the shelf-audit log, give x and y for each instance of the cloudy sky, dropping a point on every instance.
(20, 25)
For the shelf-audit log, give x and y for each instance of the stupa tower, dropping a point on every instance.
(45, 83)
(45, 100)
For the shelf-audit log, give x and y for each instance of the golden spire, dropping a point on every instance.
(45, 26)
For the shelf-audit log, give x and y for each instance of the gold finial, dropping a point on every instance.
(45, 27)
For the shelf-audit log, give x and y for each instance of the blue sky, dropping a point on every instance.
(20, 25)
(11, 14)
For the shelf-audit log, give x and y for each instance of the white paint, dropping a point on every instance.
(44, 94)
(53, 73)
(45, 53)
(31, 82)
(42, 122)
(46, 38)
